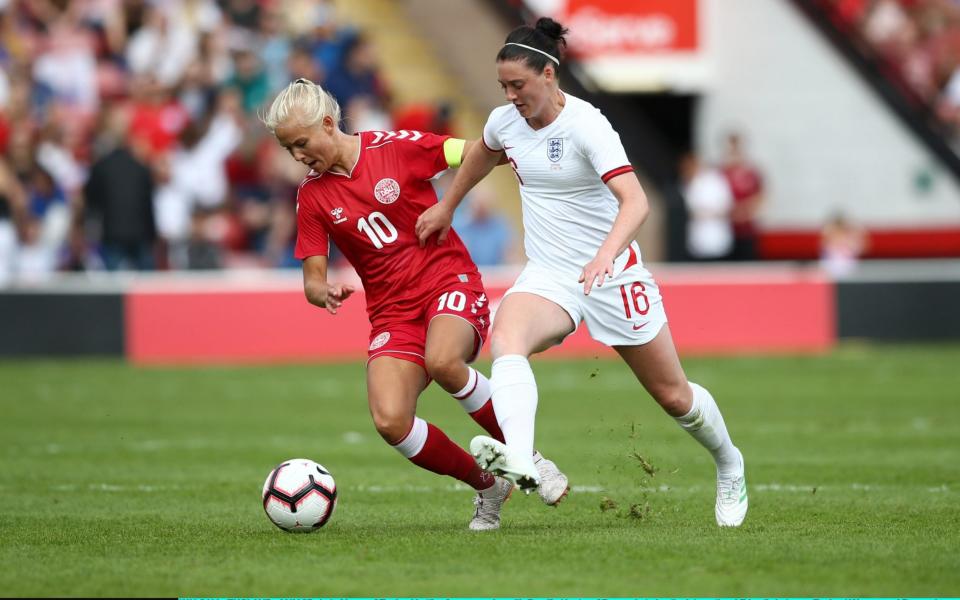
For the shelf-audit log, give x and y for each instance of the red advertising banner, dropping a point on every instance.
(605, 28)
(709, 311)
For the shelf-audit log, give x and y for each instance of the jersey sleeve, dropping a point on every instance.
(491, 132)
(423, 153)
(312, 237)
(601, 145)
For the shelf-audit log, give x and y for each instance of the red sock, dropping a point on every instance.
(442, 456)
(486, 418)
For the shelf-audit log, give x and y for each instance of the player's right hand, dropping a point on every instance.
(436, 219)
(336, 294)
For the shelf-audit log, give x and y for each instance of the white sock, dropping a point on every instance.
(475, 394)
(705, 423)
(413, 442)
(515, 400)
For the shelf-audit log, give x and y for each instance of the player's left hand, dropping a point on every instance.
(337, 293)
(595, 271)
(436, 219)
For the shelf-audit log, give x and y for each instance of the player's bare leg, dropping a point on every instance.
(452, 343)
(657, 366)
(393, 386)
(525, 324)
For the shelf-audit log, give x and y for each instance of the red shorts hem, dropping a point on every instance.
(408, 356)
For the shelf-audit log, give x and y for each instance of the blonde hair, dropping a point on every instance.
(310, 101)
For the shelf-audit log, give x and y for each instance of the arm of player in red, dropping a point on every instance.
(478, 160)
(318, 290)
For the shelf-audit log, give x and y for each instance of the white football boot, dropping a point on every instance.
(732, 497)
(488, 503)
(554, 485)
(497, 458)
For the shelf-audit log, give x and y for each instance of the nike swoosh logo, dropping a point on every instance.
(508, 147)
(639, 327)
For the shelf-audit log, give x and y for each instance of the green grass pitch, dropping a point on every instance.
(145, 481)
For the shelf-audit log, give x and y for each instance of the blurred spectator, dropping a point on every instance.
(709, 204)
(58, 161)
(196, 92)
(157, 117)
(249, 78)
(194, 16)
(66, 62)
(328, 39)
(193, 179)
(364, 113)
(275, 48)
(162, 48)
(841, 245)
(434, 118)
(99, 99)
(46, 225)
(948, 107)
(746, 185)
(356, 74)
(300, 63)
(119, 197)
(243, 13)
(487, 234)
(13, 202)
(281, 177)
(914, 43)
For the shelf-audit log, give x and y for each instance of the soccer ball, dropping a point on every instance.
(299, 495)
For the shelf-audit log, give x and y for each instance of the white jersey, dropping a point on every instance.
(568, 210)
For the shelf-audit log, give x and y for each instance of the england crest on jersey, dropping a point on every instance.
(555, 149)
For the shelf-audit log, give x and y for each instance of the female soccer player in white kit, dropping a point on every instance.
(582, 207)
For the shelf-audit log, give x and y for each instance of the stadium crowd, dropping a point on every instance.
(130, 136)
(129, 130)
(917, 43)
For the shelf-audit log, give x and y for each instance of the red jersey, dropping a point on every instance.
(370, 214)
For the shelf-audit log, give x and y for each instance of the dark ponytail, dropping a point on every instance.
(547, 36)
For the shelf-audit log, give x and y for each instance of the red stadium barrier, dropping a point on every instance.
(884, 243)
(710, 311)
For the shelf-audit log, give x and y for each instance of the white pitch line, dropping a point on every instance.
(774, 488)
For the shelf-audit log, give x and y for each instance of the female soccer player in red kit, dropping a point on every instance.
(427, 307)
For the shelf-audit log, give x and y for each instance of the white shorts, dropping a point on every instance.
(626, 310)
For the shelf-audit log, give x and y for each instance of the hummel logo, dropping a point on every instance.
(478, 303)
(400, 135)
(641, 326)
(337, 215)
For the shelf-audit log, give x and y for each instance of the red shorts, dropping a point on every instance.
(406, 338)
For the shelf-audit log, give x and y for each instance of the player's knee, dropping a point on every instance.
(445, 369)
(503, 342)
(674, 397)
(392, 426)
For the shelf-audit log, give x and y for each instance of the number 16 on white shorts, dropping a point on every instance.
(626, 310)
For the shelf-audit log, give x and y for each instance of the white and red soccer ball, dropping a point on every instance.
(299, 495)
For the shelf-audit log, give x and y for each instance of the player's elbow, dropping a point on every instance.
(644, 213)
(640, 209)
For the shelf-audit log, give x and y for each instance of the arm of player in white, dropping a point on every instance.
(478, 161)
(634, 209)
(318, 290)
